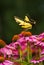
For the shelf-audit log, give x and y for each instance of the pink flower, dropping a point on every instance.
(10, 47)
(42, 52)
(37, 61)
(32, 38)
(40, 36)
(21, 43)
(6, 51)
(6, 62)
(40, 43)
(20, 35)
(14, 49)
(22, 40)
(34, 61)
(15, 52)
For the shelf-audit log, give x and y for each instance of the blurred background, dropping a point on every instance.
(11, 8)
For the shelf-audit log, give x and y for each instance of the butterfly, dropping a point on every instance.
(26, 23)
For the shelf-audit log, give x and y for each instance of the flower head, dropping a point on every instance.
(2, 43)
(41, 37)
(37, 61)
(15, 38)
(2, 59)
(6, 51)
(24, 33)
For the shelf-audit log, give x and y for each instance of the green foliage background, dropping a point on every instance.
(11, 8)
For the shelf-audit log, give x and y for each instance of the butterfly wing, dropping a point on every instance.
(27, 19)
(27, 25)
(31, 21)
(21, 22)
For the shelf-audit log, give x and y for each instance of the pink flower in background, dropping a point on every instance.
(20, 35)
(37, 61)
(15, 52)
(10, 47)
(6, 62)
(40, 43)
(32, 38)
(22, 40)
(6, 51)
(40, 36)
(13, 45)
(42, 52)
(21, 43)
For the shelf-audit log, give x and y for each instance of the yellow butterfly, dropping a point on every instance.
(26, 23)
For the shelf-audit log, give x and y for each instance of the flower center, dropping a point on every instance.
(24, 33)
(15, 38)
(2, 43)
(42, 39)
(1, 59)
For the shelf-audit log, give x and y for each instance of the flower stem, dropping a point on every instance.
(29, 53)
(20, 56)
(20, 52)
(41, 63)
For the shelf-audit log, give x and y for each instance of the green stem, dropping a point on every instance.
(20, 52)
(28, 54)
(41, 63)
(36, 64)
(20, 56)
